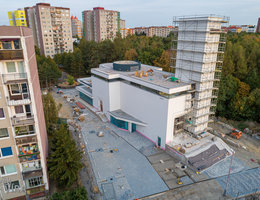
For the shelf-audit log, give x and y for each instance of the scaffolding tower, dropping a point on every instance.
(198, 47)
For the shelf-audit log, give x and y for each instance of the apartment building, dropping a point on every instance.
(17, 18)
(76, 27)
(258, 26)
(23, 137)
(123, 30)
(100, 24)
(51, 28)
(141, 30)
(160, 31)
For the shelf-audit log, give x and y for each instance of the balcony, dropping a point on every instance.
(30, 167)
(11, 54)
(24, 131)
(26, 158)
(14, 77)
(26, 140)
(36, 192)
(34, 183)
(28, 152)
(21, 99)
(25, 120)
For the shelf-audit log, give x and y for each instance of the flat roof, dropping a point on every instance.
(158, 79)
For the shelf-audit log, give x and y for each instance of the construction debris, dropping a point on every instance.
(100, 134)
(81, 118)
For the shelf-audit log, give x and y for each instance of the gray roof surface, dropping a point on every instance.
(158, 77)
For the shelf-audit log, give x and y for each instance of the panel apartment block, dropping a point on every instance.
(100, 24)
(23, 137)
(51, 28)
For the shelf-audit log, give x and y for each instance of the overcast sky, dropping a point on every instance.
(151, 12)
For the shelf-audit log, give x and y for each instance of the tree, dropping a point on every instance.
(78, 193)
(64, 162)
(131, 54)
(164, 61)
(48, 71)
(70, 79)
(51, 111)
(77, 64)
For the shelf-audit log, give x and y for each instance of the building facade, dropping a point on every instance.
(123, 30)
(76, 25)
(23, 137)
(100, 24)
(258, 26)
(240, 28)
(198, 53)
(51, 27)
(17, 18)
(160, 31)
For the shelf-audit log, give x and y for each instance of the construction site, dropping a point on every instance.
(171, 151)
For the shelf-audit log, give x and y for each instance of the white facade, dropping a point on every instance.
(200, 48)
(153, 114)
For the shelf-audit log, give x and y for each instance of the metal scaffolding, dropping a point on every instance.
(197, 56)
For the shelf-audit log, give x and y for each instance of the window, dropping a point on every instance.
(8, 169)
(21, 67)
(16, 44)
(10, 67)
(35, 181)
(2, 114)
(11, 186)
(7, 44)
(15, 89)
(4, 133)
(7, 151)
(18, 109)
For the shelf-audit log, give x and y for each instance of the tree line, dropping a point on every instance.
(89, 54)
(239, 94)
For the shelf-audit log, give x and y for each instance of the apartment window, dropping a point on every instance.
(8, 169)
(10, 67)
(4, 132)
(18, 109)
(7, 44)
(33, 182)
(21, 67)
(7, 151)
(15, 89)
(9, 187)
(2, 113)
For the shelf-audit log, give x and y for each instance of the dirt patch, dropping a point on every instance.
(66, 110)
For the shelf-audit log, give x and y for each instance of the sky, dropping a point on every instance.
(150, 12)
